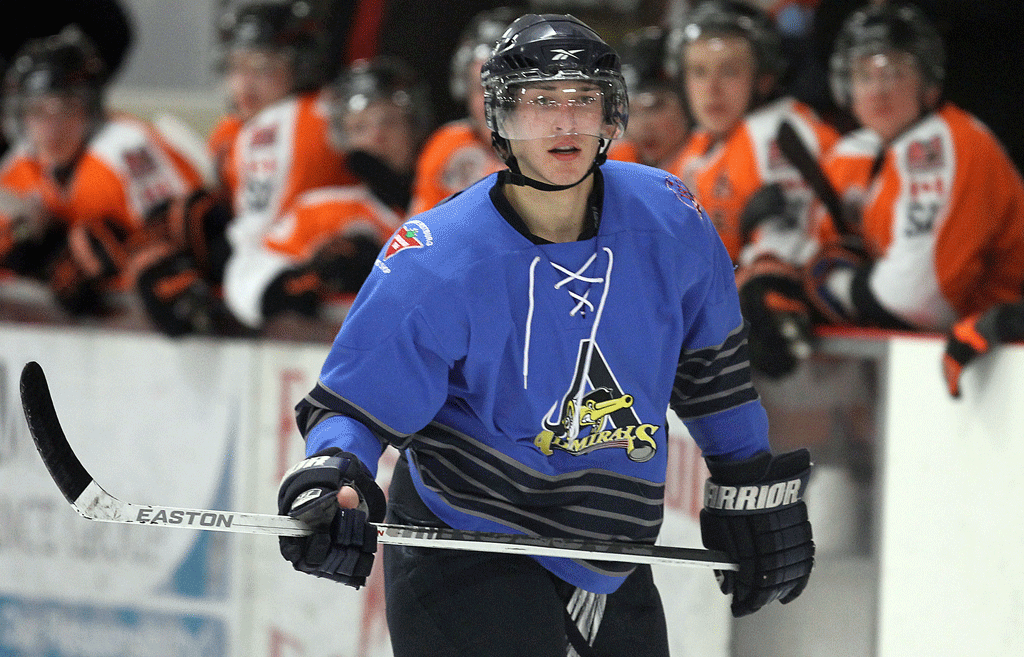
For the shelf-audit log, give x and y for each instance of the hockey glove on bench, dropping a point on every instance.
(343, 543)
(976, 335)
(772, 300)
(754, 512)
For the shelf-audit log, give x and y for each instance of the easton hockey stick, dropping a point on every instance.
(92, 502)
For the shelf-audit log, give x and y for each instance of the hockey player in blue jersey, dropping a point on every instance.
(520, 344)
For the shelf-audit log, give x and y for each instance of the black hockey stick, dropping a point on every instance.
(795, 150)
(94, 503)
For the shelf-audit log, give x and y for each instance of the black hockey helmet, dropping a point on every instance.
(294, 27)
(63, 64)
(645, 61)
(543, 48)
(886, 28)
(730, 18)
(382, 78)
(475, 44)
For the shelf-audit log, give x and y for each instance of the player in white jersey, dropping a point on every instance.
(521, 343)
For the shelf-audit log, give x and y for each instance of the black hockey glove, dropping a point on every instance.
(976, 335)
(390, 186)
(343, 543)
(754, 512)
(828, 280)
(345, 261)
(179, 302)
(772, 300)
(766, 205)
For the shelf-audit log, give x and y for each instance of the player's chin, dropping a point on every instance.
(564, 174)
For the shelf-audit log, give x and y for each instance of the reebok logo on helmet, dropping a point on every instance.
(562, 53)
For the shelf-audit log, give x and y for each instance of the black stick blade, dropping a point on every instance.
(65, 468)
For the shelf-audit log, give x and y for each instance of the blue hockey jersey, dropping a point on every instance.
(529, 382)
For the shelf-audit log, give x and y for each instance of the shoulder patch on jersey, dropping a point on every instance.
(925, 154)
(683, 193)
(264, 136)
(140, 161)
(413, 234)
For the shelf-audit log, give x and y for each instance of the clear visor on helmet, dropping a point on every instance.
(560, 105)
(884, 66)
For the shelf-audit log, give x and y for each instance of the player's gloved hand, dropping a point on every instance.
(33, 254)
(828, 280)
(766, 205)
(297, 290)
(772, 300)
(343, 543)
(390, 186)
(75, 291)
(345, 261)
(177, 300)
(754, 512)
(976, 335)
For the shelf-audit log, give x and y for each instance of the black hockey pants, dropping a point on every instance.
(448, 603)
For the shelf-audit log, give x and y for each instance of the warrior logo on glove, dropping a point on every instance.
(754, 512)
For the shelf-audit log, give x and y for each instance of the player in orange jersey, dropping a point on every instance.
(84, 185)
(271, 52)
(327, 238)
(938, 205)
(658, 119)
(732, 64)
(267, 52)
(459, 153)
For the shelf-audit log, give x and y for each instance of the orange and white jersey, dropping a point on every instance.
(280, 153)
(452, 159)
(944, 215)
(220, 144)
(723, 174)
(126, 170)
(314, 219)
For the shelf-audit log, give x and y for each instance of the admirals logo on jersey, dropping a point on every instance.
(597, 417)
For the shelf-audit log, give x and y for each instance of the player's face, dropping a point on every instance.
(557, 124)
(382, 129)
(56, 125)
(555, 108)
(257, 78)
(887, 93)
(720, 74)
(657, 125)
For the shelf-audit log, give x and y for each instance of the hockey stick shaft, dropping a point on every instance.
(91, 501)
(795, 150)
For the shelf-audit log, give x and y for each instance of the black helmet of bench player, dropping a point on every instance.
(65, 64)
(881, 30)
(293, 27)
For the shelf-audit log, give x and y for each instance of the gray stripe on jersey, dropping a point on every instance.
(511, 494)
(323, 403)
(713, 379)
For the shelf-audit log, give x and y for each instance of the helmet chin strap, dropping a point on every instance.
(516, 177)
